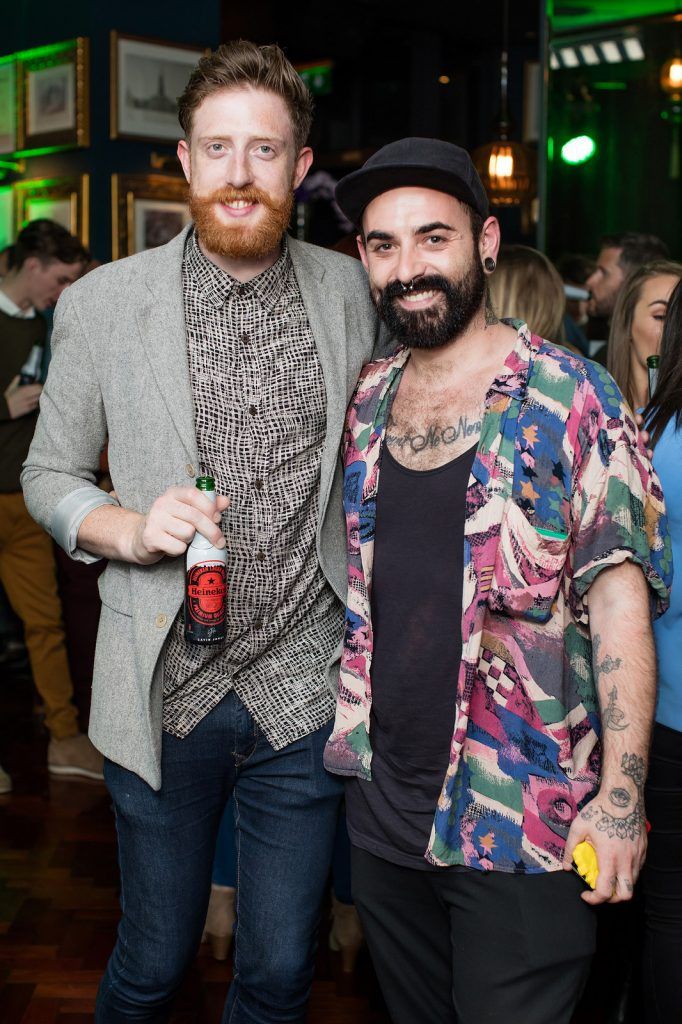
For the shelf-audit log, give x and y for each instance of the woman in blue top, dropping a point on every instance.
(663, 871)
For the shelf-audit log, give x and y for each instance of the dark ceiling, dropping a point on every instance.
(370, 29)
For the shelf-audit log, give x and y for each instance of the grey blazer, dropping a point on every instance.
(119, 371)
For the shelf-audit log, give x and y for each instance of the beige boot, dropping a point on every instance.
(220, 920)
(346, 933)
(75, 755)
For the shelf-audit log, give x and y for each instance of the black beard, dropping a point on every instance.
(436, 326)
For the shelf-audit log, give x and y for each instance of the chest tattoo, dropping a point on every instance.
(403, 438)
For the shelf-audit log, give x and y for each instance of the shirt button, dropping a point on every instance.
(244, 339)
(161, 620)
(252, 410)
(261, 556)
(189, 469)
(258, 624)
(258, 484)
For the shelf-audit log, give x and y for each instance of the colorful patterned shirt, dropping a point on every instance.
(560, 489)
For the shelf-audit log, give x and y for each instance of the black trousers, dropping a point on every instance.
(662, 881)
(460, 946)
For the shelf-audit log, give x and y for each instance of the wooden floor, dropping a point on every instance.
(59, 899)
(59, 902)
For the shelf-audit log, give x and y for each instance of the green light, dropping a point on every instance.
(42, 151)
(51, 50)
(578, 150)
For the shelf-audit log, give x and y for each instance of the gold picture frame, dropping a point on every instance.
(8, 104)
(146, 210)
(64, 200)
(53, 102)
(146, 77)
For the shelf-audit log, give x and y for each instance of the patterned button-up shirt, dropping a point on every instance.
(260, 415)
(560, 488)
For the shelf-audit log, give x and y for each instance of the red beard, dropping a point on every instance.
(238, 241)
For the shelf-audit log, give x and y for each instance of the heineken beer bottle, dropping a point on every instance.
(206, 584)
(652, 364)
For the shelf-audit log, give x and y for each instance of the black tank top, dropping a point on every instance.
(416, 617)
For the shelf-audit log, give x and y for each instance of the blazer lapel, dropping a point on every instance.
(327, 317)
(161, 322)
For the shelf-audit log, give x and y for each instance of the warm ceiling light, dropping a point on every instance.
(671, 77)
(444, 79)
(506, 170)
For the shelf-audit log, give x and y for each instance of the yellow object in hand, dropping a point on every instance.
(585, 860)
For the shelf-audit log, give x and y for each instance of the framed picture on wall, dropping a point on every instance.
(64, 200)
(147, 210)
(7, 233)
(147, 76)
(53, 96)
(8, 105)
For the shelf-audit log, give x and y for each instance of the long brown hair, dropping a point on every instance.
(526, 286)
(619, 351)
(667, 399)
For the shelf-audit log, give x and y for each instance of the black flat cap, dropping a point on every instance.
(420, 163)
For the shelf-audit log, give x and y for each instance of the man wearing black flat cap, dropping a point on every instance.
(497, 679)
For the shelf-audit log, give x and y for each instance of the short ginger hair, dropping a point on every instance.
(241, 63)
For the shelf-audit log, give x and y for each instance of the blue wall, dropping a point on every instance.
(39, 22)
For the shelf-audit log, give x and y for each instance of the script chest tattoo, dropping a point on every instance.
(466, 428)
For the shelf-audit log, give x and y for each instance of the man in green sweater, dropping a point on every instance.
(47, 259)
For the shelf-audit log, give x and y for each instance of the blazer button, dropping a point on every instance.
(189, 469)
(161, 620)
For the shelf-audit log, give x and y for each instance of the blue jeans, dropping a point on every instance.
(286, 807)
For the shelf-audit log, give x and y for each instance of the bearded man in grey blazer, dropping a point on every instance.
(232, 351)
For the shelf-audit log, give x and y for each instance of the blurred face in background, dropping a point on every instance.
(44, 280)
(649, 315)
(604, 283)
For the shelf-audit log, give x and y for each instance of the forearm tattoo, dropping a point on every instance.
(613, 716)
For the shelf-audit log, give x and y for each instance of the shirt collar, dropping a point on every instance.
(513, 381)
(11, 308)
(217, 286)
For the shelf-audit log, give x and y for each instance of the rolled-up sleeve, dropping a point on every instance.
(618, 515)
(58, 478)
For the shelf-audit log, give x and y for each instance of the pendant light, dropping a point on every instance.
(506, 167)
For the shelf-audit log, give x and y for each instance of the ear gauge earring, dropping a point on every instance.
(489, 264)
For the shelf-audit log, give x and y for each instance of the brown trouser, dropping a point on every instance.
(27, 572)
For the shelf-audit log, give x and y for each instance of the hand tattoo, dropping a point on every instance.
(632, 825)
(620, 797)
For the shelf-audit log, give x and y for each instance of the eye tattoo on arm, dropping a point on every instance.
(631, 825)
